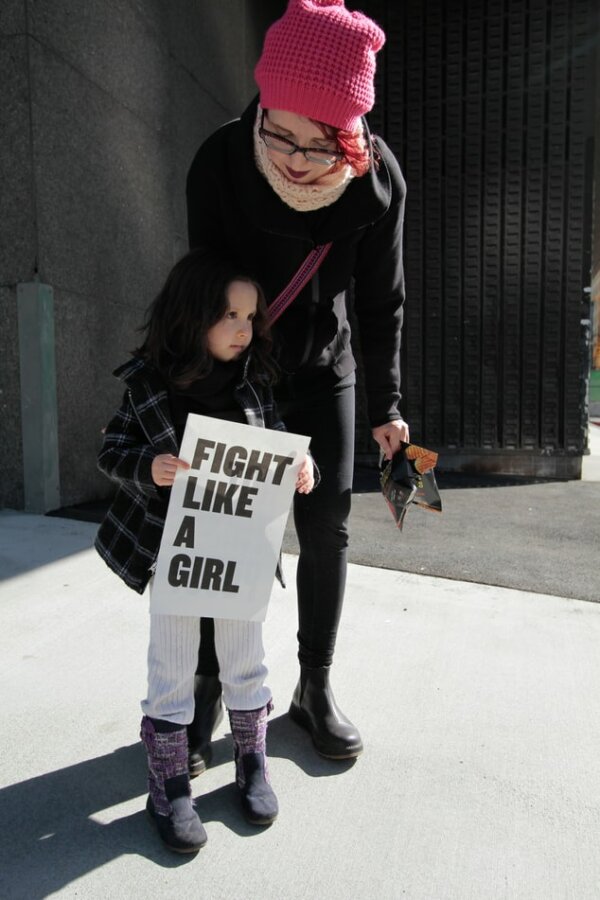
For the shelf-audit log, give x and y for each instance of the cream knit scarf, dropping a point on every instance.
(301, 197)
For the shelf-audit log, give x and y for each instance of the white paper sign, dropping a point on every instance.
(226, 519)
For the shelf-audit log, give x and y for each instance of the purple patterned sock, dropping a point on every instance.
(249, 732)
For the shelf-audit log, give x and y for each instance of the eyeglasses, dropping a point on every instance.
(311, 154)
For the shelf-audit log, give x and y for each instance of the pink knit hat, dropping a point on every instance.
(318, 60)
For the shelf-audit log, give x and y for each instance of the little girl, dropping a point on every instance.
(196, 357)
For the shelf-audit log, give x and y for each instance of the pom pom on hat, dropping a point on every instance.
(318, 60)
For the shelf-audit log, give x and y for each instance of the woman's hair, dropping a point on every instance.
(353, 145)
(193, 299)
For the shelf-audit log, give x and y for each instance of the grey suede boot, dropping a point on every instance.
(169, 802)
(249, 732)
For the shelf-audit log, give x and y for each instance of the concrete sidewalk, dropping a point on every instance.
(528, 534)
(479, 708)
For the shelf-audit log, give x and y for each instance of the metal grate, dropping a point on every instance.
(488, 106)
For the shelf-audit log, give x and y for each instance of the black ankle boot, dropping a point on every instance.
(314, 708)
(208, 712)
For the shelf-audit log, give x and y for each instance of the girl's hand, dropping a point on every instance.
(164, 468)
(305, 481)
(390, 436)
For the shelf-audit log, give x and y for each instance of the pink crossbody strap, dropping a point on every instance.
(300, 279)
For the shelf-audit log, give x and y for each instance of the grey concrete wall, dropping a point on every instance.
(17, 239)
(103, 107)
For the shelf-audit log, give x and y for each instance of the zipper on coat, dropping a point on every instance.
(258, 404)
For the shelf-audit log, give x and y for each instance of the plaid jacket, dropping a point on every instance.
(129, 537)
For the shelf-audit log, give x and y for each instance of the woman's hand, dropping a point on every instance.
(305, 481)
(164, 469)
(390, 436)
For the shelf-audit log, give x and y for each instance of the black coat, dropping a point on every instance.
(128, 539)
(233, 210)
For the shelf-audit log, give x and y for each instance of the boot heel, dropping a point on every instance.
(199, 760)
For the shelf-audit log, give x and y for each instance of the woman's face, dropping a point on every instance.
(304, 133)
(232, 334)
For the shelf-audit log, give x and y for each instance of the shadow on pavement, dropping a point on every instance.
(29, 541)
(286, 740)
(54, 835)
(63, 825)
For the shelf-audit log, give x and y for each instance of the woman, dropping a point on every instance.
(300, 170)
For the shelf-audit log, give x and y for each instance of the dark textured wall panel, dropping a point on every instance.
(488, 104)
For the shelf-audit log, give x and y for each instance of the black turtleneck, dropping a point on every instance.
(212, 395)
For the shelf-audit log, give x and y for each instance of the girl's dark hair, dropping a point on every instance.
(193, 299)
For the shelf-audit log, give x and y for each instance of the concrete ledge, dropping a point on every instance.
(524, 463)
(512, 462)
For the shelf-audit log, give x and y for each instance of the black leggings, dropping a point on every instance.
(321, 521)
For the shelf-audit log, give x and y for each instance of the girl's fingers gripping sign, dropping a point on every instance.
(164, 469)
(306, 477)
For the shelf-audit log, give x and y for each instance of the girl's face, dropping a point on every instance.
(232, 334)
(304, 133)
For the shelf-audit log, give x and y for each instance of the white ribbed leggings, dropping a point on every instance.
(173, 658)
